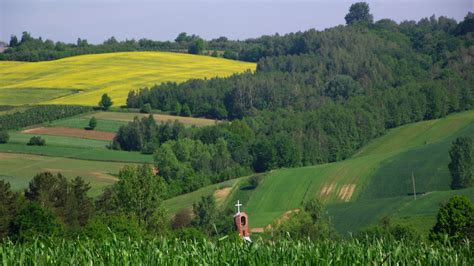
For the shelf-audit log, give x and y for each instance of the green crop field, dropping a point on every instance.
(419, 213)
(19, 169)
(428, 163)
(378, 176)
(19, 138)
(83, 122)
(83, 79)
(169, 251)
(70, 147)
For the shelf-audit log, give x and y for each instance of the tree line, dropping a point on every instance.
(39, 114)
(54, 207)
(57, 207)
(28, 48)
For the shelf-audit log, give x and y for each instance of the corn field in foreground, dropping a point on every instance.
(178, 252)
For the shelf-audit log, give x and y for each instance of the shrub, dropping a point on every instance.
(92, 123)
(185, 111)
(182, 219)
(462, 163)
(455, 219)
(36, 140)
(146, 108)
(254, 181)
(4, 137)
(196, 47)
(119, 226)
(149, 148)
(396, 232)
(33, 221)
(309, 223)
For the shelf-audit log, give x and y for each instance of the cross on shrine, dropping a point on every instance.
(238, 206)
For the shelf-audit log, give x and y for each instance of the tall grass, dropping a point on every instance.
(201, 252)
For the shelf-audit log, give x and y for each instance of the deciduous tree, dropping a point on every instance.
(105, 102)
(455, 219)
(359, 12)
(92, 123)
(4, 136)
(462, 163)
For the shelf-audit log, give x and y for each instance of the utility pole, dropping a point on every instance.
(413, 180)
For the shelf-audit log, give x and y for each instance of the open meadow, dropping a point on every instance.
(83, 79)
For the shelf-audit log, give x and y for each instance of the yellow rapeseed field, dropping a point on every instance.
(83, 79)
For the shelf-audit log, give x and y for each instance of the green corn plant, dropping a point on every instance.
(164, 251)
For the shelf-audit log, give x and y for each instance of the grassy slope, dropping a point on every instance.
(420, 213)
(428, 163)
(112, 73)
(429, 141)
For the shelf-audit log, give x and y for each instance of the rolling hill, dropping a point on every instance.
(83, 79)
(375, 182)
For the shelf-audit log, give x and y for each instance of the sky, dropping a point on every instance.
(97, 20)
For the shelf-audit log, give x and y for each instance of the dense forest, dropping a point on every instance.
(316, 97)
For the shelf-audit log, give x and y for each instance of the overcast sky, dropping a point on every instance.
(96, 20)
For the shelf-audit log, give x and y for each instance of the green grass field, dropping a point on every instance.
(420, 213)
(70, 147)
(378, 177)
(59, 81)
(83, 122)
